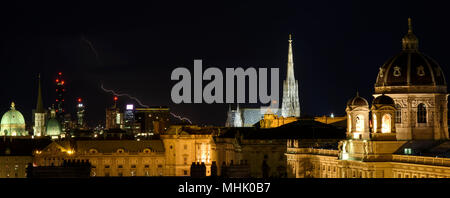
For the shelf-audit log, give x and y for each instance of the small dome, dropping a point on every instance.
(53, 127)
(383, 100)
(13, 123)
(358, 101)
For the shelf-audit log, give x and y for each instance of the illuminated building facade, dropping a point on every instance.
(273, 121)
(108, 157)
(17, 153)
(406, 135)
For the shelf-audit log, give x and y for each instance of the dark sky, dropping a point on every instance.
(338, 48)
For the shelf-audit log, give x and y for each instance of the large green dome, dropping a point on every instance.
(13, 123)
(53, 127)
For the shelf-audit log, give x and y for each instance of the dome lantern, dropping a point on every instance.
(410, 41)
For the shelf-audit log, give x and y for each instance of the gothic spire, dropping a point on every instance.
(39, 104)
(290, 63)
(290, 103)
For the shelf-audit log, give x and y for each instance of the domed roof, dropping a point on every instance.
(13, 123)
(409, 68)
(357, 101)
(53, 127)
(383, 100)
(13, 116)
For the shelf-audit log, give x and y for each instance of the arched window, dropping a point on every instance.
(386, 123)
(421, 113)
(398, 113)
(359, 123)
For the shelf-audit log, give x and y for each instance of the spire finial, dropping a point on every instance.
(357, 93)
(13, 105)
(410, 25)
(290, 37)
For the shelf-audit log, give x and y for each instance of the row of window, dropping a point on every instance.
(132, 166)
(421, 118)
(421, 113)
(147, 150)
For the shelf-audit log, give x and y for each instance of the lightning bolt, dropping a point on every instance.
(127, 95)
(181, 118)
(91, 46)
(140, 103)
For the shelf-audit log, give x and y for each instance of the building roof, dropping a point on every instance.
(410, 67)
(305, 128)
(429, 148)
(22, 147)
(383, 100)
(53, 127)
(13, 116)
(357, 101)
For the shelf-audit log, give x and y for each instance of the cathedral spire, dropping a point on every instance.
(39, 104)
(290, 63)
(290, 103)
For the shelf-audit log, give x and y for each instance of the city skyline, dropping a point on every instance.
(135, 51)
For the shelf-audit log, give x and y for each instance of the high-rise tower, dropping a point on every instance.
(60, 96)
(80, 113)
(39, 114)
(291, 105)
(114, 118)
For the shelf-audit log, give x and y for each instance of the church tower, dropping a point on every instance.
(39, 114)
(234, 118)
(291, 105)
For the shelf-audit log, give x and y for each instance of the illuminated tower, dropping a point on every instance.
(60, 96)
(39, 114)
(234, 118)
(80, 113)
(114, 119)
(291, 105)
(129, 124)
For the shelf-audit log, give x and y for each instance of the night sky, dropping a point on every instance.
(133, 48)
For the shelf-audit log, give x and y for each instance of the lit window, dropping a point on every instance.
(359, 123)
(386, 123)
(421, 113)
(408, 151)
